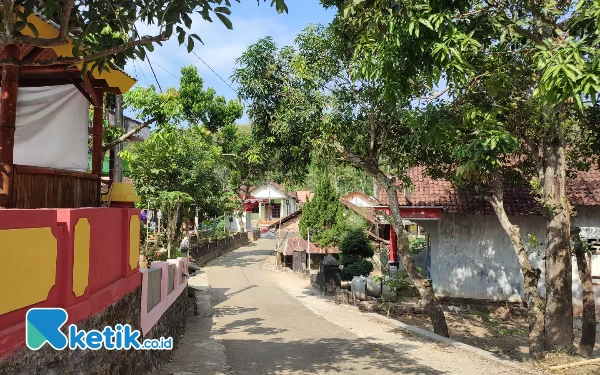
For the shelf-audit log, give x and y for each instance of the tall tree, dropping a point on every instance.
(104, 34)
(313, 99)
(323, 216)
(556, 46)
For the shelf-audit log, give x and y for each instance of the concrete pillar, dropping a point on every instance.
(248, 220)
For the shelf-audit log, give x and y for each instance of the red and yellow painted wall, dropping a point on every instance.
(82, 260)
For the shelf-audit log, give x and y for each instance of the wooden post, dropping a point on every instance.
(8, 116)
(97, 155)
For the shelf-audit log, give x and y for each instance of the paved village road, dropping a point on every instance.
(266, 322)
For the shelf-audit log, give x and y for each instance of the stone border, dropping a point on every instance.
(445, 340)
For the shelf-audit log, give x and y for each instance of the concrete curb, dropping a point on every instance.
(505, 361)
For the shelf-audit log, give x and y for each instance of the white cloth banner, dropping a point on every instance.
(52, 128)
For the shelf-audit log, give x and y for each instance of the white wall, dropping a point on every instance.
(233, 225)
(472, 256)
(266, 192)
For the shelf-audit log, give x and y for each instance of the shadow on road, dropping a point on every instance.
(341, 356)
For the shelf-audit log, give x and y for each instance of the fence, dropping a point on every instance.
(35, 187)
(162, 284)
(202, 254)
(82, 260)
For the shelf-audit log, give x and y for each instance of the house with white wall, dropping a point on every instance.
(471, 255)
(264, 205)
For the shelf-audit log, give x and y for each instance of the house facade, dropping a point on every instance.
(263, 206)
(471, 255)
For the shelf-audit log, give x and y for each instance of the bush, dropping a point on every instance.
(152, 254)
(356, 249)
(416, 245)
(362, 267)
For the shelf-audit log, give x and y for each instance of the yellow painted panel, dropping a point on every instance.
(81, 261)
(134, 241)
(24, 250)
(114, 78)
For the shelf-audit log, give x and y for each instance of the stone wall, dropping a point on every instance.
(48, 361)
(202, 254)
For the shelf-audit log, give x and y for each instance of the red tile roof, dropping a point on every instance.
(584, 190)
(292, 243)
(304, 195)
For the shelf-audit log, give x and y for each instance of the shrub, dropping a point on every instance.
(361, 267)
(416, 245)
(356, 249)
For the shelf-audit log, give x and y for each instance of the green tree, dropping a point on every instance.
(204, 106)
(323, 216)
(105, 34)
(174, 205)
(312, 99)
(356, 250)
(178, 159)
(470, 45)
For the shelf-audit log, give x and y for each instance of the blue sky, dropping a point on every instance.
(222, 46)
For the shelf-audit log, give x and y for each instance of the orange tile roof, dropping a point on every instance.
(584, 190)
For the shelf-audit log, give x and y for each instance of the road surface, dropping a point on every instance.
(267, 322)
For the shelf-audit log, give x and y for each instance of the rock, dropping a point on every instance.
(342, 296)
(368, 306)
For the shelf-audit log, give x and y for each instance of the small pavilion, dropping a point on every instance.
(40, 129)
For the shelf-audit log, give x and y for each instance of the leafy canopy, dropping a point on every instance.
(107, 33)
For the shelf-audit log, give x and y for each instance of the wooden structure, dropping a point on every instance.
(34, 187)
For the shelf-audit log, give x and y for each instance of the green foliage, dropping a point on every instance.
(105, 34)
(355, 249)
(323, 216)
(245, 166)
(400, 287)
(416, 245)
(200, 106)
(361, 267)
(150, 105)
(500, 328)
(344, 178)
(175, 207)
(580, 245)
(177, 159)
(152, 254)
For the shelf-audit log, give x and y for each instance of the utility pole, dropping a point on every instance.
(308, 249)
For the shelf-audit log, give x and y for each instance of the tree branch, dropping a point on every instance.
(9, 24)
(64, 22)
(75, 59)
(128, 134)
(435, 94)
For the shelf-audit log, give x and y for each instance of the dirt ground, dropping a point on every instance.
(504, 334)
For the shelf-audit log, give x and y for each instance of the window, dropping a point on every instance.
(276, 210)
(256, 209)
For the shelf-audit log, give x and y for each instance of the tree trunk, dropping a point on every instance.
(431, 304)
(531, 275)
(588, 327)
(559, 296)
